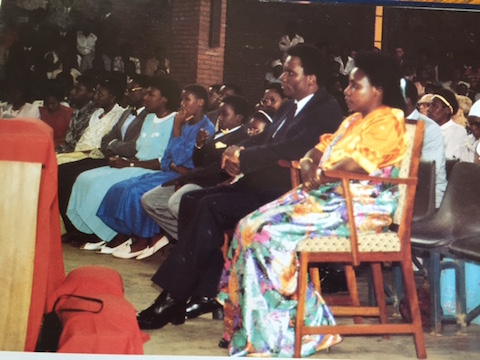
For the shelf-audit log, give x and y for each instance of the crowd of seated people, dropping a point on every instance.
(144, 163)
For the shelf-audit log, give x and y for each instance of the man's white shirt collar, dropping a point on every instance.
(301, 103)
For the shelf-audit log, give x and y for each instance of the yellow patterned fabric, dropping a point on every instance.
(373, 142)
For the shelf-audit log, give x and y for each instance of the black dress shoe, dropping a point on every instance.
(164, 310)
(332, 279)
(199, 305)
(223, 343)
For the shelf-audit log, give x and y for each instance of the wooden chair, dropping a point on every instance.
(20, 184)
(374, 249)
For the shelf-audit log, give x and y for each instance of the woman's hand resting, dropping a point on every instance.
(310, 174)
(309, 170)
(118, 162)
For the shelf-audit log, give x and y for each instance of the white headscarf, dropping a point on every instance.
(475, 109)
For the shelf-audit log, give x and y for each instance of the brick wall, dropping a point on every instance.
(193, 60)
(185, 24)
(210, 59)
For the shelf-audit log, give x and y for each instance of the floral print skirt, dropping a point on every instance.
(259, 282)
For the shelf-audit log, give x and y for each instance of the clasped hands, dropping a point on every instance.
(118, 162)
(231, 160)
(310, 173)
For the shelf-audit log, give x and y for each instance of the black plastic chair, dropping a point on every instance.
(424, 205)
(463, 251)
(423, 208)
(457, 218)
(449, 164)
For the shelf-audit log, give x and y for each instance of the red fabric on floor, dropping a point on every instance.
(113, 330)
(31, 140)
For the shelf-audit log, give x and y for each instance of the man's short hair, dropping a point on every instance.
(313, 61)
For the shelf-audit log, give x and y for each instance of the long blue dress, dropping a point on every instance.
(92, 185)
(121, 208)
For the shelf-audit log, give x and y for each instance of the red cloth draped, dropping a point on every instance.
(31, 140)
(113, 330)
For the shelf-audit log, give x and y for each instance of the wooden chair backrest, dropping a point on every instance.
(409, 169)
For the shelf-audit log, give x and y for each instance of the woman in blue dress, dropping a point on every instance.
(121, 209)
(162, 98)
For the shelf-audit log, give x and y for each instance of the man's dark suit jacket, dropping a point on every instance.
(195, 264)
(320, 115)
(127, 146)
(207, 160)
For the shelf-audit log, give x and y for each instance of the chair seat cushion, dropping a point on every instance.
(381, 242)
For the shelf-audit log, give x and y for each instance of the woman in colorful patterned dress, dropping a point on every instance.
(260, 278)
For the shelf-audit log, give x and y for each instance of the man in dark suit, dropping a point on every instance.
(193, 269)
(116, 143)
(25, 59)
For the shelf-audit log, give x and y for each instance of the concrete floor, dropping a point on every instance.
(199, 337)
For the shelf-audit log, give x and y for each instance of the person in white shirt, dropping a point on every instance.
(126, 55)
(442, 107)
(468, 150)
(433, 146)
(107, 94)
(86, 47)
(17, 106)
(345, 61)
(291, 38)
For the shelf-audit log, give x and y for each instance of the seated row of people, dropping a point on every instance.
(260, 276)
(80, 205)
(119, 211)
(262, 265)
(108, 93)
(134, 216)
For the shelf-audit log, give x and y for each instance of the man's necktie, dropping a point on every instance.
(282, 129)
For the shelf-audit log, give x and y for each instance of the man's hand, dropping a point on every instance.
(202, 137)
(118, 162)
(180, 119)
(231, 160)
(232, 168)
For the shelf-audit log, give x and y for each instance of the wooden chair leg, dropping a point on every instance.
(302, 295)
(353, 290)
(397, 284)
(377, 276)
(411, 296)
(315, 278)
